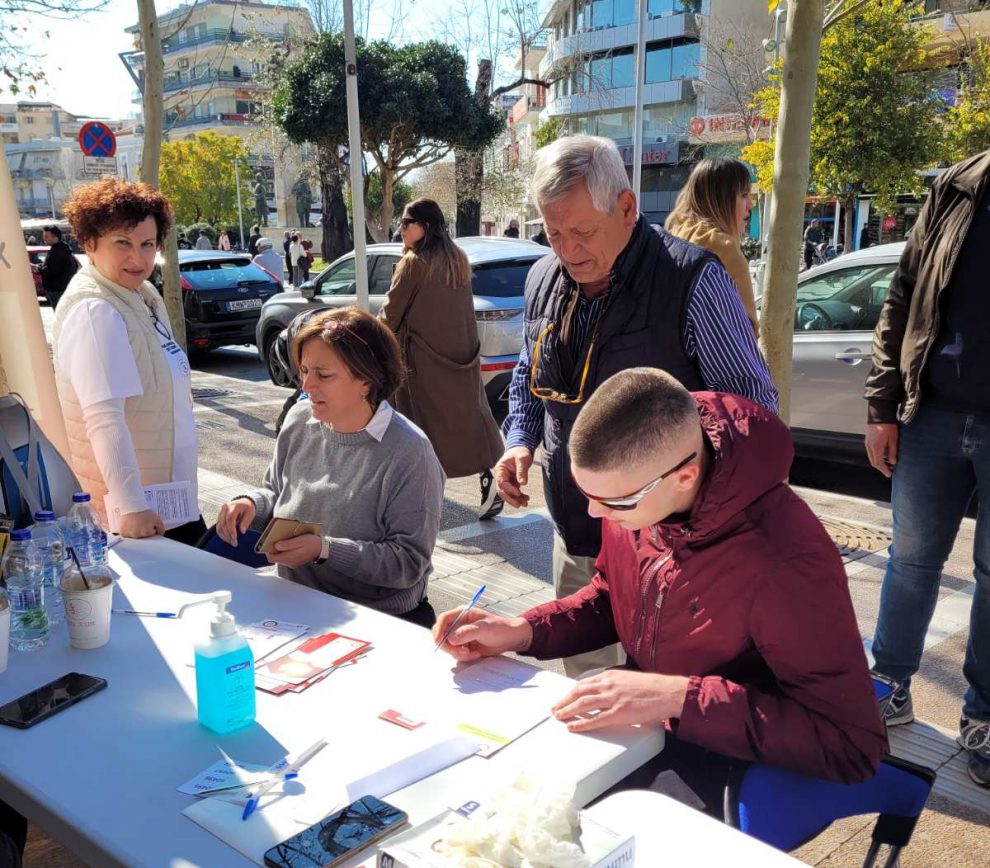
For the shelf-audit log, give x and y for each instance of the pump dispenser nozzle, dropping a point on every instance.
(223, 622)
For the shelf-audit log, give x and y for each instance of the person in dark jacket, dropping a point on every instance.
(865, 240)
(929, 427)
(59, 265)
(613, 294)
(747, 651)
(253, 240)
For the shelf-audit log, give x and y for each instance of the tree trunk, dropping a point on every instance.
(336, 237)
(470, 166)
(153, 106)
(849, 212)
(790, 186)
(379, 228)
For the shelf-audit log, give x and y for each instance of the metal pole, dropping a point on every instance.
(240, 210)
(354, 143)
(637, 169)
(51, 198)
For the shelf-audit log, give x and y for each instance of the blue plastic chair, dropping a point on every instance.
(785, 809)
(243, 552)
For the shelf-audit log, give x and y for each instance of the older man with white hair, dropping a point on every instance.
(616, 293)
(267, 258)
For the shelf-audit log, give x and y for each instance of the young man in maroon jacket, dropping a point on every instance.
(722, 586)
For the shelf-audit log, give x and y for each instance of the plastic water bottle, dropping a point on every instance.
(25, 577)
(48, 538)
(86, 537)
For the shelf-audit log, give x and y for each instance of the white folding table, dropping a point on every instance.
(101, 777)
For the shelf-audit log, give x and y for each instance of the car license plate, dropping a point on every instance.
(244, 304)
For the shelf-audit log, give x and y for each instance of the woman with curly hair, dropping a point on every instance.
(123, 381)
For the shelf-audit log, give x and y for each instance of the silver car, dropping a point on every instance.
(837, 308)
(499, 265)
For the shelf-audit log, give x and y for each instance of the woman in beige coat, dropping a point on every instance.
(711, 211)
(430, 307)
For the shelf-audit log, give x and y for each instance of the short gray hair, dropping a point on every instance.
(563, 164)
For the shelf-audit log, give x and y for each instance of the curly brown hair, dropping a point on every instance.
(365, 345)
(110, 203)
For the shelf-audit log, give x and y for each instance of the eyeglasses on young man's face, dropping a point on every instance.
(631, 501)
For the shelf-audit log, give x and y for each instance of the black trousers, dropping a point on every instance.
(189, 533)
(705, 772)
(423, 615)
(13, 835)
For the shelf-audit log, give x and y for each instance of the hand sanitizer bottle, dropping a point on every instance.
(224, 673)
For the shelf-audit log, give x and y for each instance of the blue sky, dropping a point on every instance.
(86, 76)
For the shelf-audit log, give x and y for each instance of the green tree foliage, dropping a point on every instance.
(415, 107)
(548, 131)
(197, 175)
(967, 123)
(402, 194)
(875, 123)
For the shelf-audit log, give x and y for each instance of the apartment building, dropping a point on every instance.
(41, 142)
(590, 60)
(214, 53)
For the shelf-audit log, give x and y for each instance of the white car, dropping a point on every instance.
(499, 265)
(838, 305)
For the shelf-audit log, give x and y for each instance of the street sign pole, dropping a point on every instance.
(354, 140)
(240, 210)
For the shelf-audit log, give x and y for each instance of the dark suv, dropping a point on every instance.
(222, 295)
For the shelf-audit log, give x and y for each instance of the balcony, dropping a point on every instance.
(176, 43)
(31, 174)
(220, 79)
(527, 104)
(591, 41)
(675, 91)
(229, 119)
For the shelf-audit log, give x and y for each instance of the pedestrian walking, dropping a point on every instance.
(296, 253)
(712, 211)
(268, 259)
(864, 237)
(812, 238)
(59, 265)
(306, 260)
(929, 428)
(430, 307)
(616, 294)
(223, 242)
(512, 231)
(203, 242)
(286, 242)
(253, 239)
(182, 242)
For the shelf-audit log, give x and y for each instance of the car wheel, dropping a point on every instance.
(276, 373)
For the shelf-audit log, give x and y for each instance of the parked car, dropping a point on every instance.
(499, 267)
(222, 295)
(36, 256)
(837, 308)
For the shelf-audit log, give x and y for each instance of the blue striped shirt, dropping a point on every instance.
(717, 336)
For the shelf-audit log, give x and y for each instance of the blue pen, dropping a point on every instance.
(291, 771)
(145, 614)
(460, 617)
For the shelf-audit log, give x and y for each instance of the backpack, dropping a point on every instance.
(33, 476)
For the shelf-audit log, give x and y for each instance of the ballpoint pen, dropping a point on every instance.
(145, 614)
(460, 617)
(291, 771)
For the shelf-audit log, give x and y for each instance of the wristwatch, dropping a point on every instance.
(324, 551)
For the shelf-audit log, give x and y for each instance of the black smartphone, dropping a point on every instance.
(48, 700)
(338, 836)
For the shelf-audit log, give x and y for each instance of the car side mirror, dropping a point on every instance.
(308, 290)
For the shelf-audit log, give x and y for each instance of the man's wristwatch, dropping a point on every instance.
(324, 551)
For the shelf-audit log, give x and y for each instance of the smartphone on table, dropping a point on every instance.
(281, 529)
(339, 836)
(33, 707)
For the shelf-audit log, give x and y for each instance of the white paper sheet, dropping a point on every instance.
(327, 783)
(173, 501)
(269, 635)
(494, 700)
(224, 773)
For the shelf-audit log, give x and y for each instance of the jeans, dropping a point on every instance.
(942, 458)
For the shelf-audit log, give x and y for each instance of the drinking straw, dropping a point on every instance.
(72, 552)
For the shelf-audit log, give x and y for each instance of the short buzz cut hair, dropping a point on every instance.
(631, 418)
(565, 163)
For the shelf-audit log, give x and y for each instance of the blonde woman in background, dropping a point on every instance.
(712, 211)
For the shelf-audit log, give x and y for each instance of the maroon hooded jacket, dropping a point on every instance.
(747, 596)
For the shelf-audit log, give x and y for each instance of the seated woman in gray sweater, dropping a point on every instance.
(349, 462)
